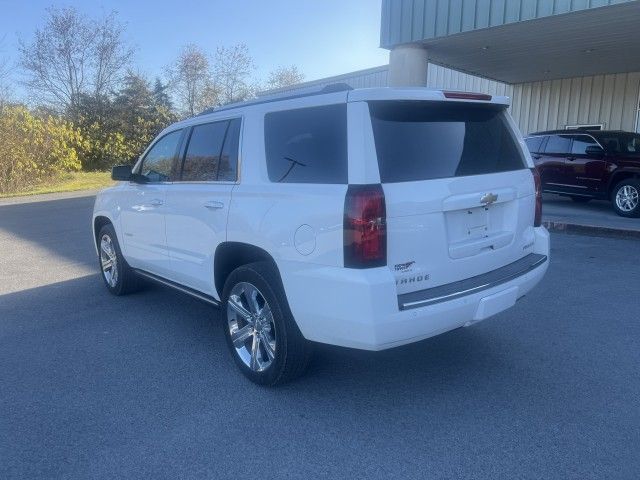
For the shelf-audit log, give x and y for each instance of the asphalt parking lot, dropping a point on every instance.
(93, 386)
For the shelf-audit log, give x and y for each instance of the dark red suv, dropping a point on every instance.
(586, 164)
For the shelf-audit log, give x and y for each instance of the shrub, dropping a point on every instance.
(34, 149)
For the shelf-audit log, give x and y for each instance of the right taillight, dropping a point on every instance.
(365, 227)
(536, 180)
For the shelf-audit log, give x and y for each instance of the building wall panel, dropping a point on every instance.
(611, 100)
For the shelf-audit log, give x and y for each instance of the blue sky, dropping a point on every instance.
(321, 37)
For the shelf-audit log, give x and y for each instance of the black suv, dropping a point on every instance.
(586, 164)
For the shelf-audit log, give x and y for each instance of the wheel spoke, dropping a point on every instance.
(105, 247)
(234, 303)
(255, 347)
(251, 296)
(267, 346)
(239, 336)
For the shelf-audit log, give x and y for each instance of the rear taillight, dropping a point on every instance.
(365, 227)
(538, 216)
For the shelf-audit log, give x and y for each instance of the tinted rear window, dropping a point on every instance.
(428, 140)
(307, 145)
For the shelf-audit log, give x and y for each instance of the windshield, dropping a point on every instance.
(427, 140)
(628, 143)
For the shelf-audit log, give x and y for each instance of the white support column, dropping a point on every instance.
(408, 66)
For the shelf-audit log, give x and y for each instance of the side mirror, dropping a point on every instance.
(595, 151)
(121, 173)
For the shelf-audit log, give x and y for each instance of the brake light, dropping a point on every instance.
(538, 216)
(467, 96)
(365, 227)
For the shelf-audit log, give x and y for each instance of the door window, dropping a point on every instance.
(157, 164)
(212, 152)
(203, 152)
(580, 144)
(558, 145)
(534, 144)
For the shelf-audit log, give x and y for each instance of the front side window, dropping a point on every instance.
(427, 140)
(157, 164)
(307, 145)
(559, 145)
(580, 144)
(625, 143)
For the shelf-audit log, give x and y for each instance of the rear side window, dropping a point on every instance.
(558, 145)
(212, 152)
(428, 140)
(534, 144)
(307, 145)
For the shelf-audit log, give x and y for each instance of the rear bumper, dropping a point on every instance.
(360, 308)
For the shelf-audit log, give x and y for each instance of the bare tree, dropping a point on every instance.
(190, 80)
(232, 72)
(73, 55)
(111, 55)
(284, 77)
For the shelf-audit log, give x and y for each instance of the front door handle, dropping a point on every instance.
(156, 202)
(214, 205)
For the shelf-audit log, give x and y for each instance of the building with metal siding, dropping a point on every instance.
(409, 21)
(564, 63)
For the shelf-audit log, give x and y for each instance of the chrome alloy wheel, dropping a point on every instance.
(251, 326)
(627, 198)
(109, 260)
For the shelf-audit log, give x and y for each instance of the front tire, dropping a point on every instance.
(626, 198)
(118, 276)
(260, 330)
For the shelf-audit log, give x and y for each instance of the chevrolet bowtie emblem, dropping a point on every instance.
(489, 198)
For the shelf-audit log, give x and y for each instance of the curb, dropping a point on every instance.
(593, 230)
(43, 197)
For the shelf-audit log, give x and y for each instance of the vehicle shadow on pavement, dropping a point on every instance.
(61, 226)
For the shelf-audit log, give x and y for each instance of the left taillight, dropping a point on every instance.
(538, 184)
(365, 227)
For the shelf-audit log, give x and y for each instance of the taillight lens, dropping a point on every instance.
(538, 216)
(365, 227)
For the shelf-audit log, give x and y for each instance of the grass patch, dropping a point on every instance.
(69, 182)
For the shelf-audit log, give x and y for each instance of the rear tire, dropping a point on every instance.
(581, 199)
(626, 198)
(117, 275)
(260, 330)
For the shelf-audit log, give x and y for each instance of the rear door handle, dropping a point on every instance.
(156, 202)
(214, 205)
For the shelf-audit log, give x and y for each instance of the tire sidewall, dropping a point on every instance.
(249, 274)
(636, 211)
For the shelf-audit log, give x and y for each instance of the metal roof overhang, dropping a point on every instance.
(590, 42)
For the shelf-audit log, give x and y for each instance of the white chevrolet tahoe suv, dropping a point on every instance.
(365, 218)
